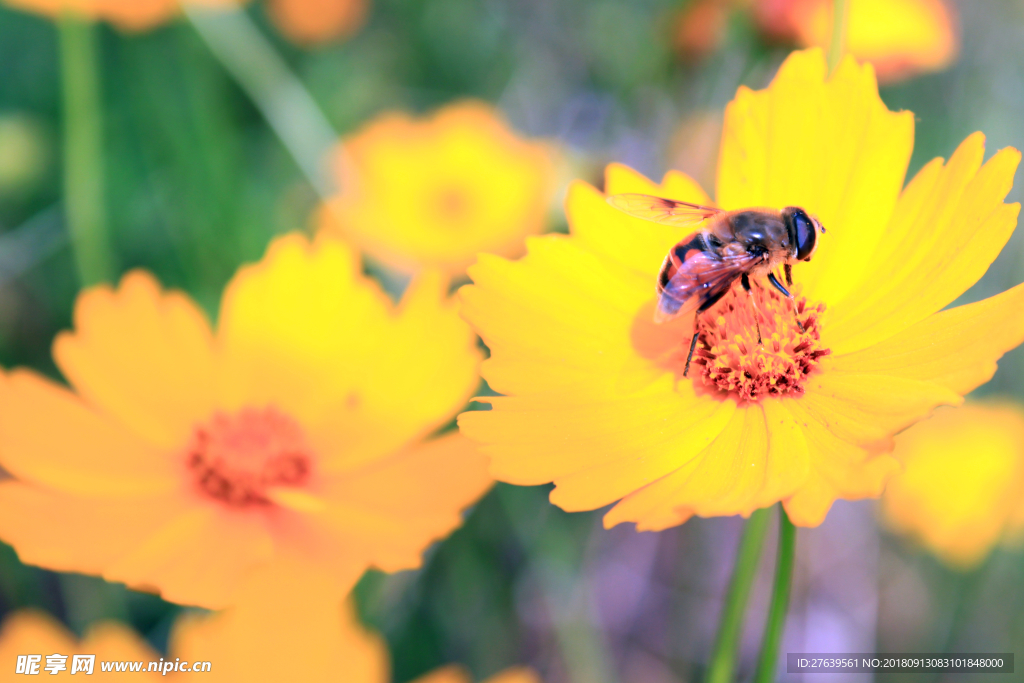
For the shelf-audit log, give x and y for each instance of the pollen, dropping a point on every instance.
(235, 458)
(730, 356)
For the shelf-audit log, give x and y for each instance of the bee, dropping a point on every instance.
(733, 245)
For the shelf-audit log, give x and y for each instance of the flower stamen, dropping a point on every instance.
(236, 458)
(729, 358)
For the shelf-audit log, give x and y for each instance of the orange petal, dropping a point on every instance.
(65, 533)
(50, 437)
(899, 37)
(389, 511)
(948, 227)
(830, 147)
(235, 544)
(308, 22)
(274, 619)
(142, 355)
(962, 481)
(838, 470)
(304, 331)
(867, 409)
(453, 673)
(956, 349)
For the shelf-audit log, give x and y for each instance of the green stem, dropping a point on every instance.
(83, 150)
(765, 672)
(282, 98)
(840, 12)
(723, 657)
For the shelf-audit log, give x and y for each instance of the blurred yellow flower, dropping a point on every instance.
(187, 459)
(435, 192)
(308, 22)
(962, 489)
(128, 15)
(282, 631)
(595, 399)
(457, 674)
(32, 632)
(901, 38)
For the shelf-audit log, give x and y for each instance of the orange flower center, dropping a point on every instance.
(236, 458)
(730, 358)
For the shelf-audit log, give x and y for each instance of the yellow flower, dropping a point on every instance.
(962, 490)
(308, 22)
(281, 631)
(437, 191)
(456, 674)
(31, 632)
(595, 398)
(901, 38)
(187, 459)
(129, 15)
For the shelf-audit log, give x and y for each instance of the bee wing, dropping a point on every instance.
(701, 279)
(661, 210)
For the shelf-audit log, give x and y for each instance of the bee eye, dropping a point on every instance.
(806, 236)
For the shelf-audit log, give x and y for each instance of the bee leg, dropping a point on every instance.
(708, 303)
(789, 281)
(693, 342)
(778, 285)
(745, 281)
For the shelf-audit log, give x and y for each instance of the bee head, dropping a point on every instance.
(803, 232)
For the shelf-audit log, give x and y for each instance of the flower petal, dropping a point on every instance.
(236, 543)
(838, 469)
(948, 227)
(142, 355)
(65, 533)
(636, 243)
(51, 438)
(585, 304)
(243, 646)
(644, 447)
(391, 510)
(304, 331)
(962, 482)
(830, 147)
(956, 349)
(757, 459)
(867, 409)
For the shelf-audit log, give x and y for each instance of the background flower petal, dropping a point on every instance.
(962, 481)
(51, 438)
(304, 331)
(830, 147)
(406, 501)
(276, 617)
(67, 533)
(196, 558)
(142, 355)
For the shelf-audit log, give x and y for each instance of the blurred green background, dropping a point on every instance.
(197, 183)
